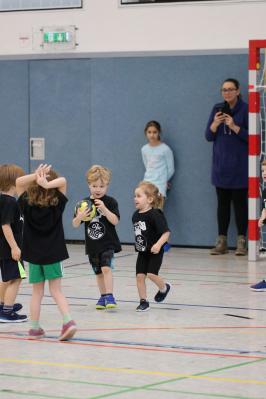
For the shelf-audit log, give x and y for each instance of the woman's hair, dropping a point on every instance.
(153, 124)
(40, 196)
(8, 175)
(152, 192)
(98, 172)
(234, 81)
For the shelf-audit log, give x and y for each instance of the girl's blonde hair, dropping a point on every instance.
(152, 192)
(8, 175)
(98, 172)
(40, 196)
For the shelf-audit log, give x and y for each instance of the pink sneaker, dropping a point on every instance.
(68, 330)
(36, 333)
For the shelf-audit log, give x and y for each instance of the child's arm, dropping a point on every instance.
(110, 216)
(41, 179)
(9, 236)
(79, 216)
(155, 249)
(23, 182)
(262, 217)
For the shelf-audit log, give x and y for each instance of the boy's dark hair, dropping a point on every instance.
(8, 175)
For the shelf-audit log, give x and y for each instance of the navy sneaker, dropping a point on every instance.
(12, 317)
(143, 306)
(16, 307)
(160, 296)
(110, 302)
(261, 286)
(101, 303)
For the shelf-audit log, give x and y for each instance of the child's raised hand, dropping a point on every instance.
(41, 178)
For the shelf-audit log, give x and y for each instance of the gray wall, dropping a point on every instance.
(94, 111)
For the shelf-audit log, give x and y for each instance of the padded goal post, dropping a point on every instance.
(256, 135)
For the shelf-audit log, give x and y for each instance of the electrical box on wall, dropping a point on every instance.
(37, 148)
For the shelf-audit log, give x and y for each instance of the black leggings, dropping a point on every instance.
(239, 197)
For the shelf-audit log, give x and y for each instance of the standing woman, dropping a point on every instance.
(157, 157)
(227, 128)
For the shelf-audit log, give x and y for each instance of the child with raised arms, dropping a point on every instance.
(151, 233)
(101, 240)
(42, 199)
(10, 245)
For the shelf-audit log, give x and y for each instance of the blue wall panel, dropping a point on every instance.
(94, 111)
(14, 113)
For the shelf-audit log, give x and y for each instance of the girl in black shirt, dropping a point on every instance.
(151, 233)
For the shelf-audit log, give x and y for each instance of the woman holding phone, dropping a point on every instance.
(227, 128)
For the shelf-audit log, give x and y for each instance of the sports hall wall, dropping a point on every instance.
(94, 110)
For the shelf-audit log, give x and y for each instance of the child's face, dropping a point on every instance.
(153, 135)
(263, 172)
(98, 188)
(142, 201)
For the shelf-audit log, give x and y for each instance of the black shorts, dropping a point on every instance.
(9, 269)
(149, 263)
(103, 259)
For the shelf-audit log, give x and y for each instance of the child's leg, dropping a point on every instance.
(35, 302)
(100, 283)
(3, 287)
(141, 285)
(157, 280)
(107, 279)
(59, 297)
(11, 290)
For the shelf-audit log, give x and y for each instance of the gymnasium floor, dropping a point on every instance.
(208, 340)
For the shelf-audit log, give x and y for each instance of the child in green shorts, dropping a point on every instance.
(42, 201)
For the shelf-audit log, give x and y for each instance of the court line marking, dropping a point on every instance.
(141, 347)
(197, 376)
(161, 304)
(81, 382)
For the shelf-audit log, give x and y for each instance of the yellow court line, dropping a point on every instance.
(132, 371)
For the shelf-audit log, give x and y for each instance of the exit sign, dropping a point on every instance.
(56, 37)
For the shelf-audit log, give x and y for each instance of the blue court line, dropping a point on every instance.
(156, 345)
(163, 304)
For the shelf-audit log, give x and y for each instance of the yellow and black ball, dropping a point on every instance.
(82, 205)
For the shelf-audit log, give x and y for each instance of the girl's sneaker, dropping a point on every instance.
(143, 306)
(101, 303)
(68, 330)
(36, 333)
(260, 287)
(110, 302)
(160, 296)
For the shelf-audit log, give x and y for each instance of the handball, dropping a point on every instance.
(82, 205)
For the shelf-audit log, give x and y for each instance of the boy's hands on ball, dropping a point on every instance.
(100, 205)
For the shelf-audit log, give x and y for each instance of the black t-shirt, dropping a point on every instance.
(9, 214)
(100, 234)
(148, 228)
(43, 234)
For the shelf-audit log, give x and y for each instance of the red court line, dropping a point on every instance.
(110, 346)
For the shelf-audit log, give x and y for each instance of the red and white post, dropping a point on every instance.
(254, 149)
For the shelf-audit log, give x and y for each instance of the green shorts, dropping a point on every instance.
(39, 273)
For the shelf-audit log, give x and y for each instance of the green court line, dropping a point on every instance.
(31, 394)
(148, 386)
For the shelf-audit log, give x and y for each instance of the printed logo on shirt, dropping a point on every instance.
(96, 229)
(140, 241)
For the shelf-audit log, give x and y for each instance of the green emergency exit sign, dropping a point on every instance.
(56, 37)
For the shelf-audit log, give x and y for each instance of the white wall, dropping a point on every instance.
(106, 28)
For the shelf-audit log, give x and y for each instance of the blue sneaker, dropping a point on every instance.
(110, 302)
(160, 296)
(16, 307)
(101, 303)
(261, 286)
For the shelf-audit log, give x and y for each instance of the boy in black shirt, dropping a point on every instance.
(10, 243)
(100, 234)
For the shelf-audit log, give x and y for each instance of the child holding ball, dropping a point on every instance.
(101, 240)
